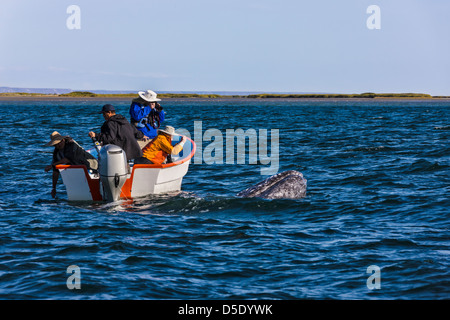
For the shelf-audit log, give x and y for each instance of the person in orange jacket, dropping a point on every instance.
(160, 147)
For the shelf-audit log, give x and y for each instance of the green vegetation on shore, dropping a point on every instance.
(134, 95)
(25, 94)
(79, 94)
(367, 95)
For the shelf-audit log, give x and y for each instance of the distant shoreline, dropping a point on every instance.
(224, 100)
(88, 96)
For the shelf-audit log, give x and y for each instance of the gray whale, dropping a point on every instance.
(284, 185)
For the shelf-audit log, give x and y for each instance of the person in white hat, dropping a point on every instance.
(147, 114)
(158, 149)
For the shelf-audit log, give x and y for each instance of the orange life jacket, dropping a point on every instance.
(158, 149)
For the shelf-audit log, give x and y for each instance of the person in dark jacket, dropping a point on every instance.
(67, 151)
(118, 131)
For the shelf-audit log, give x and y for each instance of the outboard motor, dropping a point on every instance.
(113, 170)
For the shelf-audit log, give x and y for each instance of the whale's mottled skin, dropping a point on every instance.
(284, 185)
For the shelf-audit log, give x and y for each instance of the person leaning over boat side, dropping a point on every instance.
(118, 131)
(147, 114)
(67, 151)
(159, 148)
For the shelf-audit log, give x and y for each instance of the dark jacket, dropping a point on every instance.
(117, 130)
(74, 153)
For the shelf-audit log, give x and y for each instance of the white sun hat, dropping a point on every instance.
(149, 96)
(169, 130)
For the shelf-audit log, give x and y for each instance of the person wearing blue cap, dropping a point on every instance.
(118, 131)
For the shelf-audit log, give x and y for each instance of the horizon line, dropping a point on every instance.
(43, 90)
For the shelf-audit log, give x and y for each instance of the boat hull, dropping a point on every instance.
(142, 180)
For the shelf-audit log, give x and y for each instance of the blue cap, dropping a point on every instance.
(107, 108)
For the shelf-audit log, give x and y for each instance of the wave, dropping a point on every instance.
(371, 149)
(442, 128)
(423, 165)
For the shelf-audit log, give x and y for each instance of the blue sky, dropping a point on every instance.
(232, 45)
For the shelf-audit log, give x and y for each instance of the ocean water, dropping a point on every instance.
(377, 199)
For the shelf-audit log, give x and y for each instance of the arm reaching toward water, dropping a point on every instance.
(178, 147)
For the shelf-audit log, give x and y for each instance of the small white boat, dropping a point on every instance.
(116, 179)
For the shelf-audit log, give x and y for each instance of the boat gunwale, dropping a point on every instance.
(139, 166)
